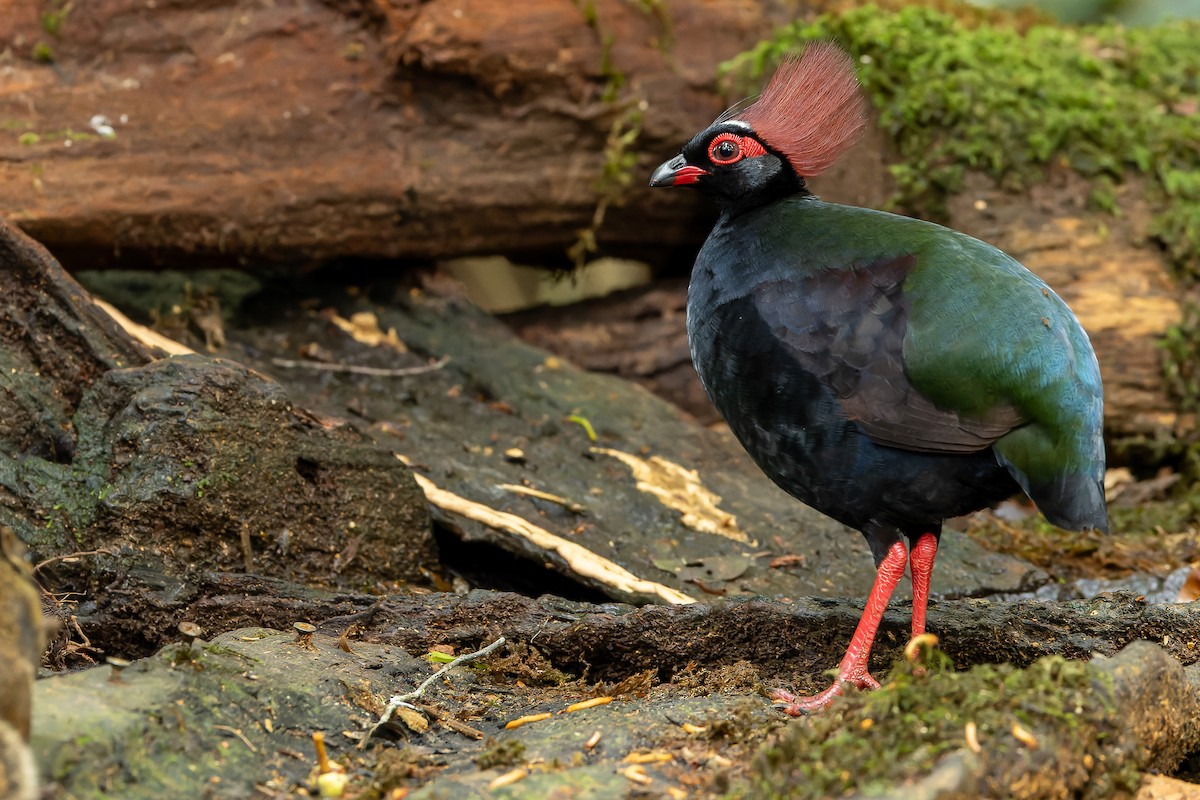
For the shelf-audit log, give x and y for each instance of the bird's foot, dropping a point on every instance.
(795, 705)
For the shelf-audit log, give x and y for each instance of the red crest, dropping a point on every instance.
(812, 110)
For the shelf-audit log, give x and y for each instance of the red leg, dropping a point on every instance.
(924, 551)
(853, 668)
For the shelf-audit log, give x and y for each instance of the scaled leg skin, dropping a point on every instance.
(853, 668)
(924, 551)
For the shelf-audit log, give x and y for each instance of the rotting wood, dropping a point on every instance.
(581, 560)
(681, 489)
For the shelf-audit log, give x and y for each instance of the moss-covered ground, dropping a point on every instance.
(1152, 537)
(1055, 712)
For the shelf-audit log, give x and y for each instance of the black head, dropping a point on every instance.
(729, 163)
(810, 112)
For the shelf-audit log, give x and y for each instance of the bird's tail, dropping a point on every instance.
(1074, 501)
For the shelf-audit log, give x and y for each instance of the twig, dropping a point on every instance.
(464, 658)
(238, 734)
(359, 370)
(41, 564)
(569, 505)
(247, 550)
(402, 699)
(450, 722)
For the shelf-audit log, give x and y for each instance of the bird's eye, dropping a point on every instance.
(725, 149)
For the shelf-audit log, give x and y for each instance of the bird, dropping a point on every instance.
(887, 371)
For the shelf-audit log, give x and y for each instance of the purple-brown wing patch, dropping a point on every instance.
(846, 327)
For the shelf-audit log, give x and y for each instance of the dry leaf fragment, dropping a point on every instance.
(1191, 587)
(363, 327)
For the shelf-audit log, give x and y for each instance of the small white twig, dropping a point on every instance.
(401, 700)
(355, 369)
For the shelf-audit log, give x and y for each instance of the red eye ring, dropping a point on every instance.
(747, 147)
(725, 139)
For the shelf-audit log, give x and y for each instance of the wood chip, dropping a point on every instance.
(519, 721)
(1024, 736)
(972, 734)
(508, 778)
(413, 720)
(143, 334)
(652, 757)
(595, 701)
(637, 775)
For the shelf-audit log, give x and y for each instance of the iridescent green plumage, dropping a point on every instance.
(889, 372)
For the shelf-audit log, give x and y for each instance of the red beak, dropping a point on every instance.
(676, 172)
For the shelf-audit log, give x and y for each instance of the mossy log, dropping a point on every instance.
(793, 641)
(114, 462)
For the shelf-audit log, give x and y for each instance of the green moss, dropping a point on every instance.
(52, 21)
(1181, 365)
(955, 95)
(868, 743)
(620, 157)
(501, 753)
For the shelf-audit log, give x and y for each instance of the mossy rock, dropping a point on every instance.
(1057, 728)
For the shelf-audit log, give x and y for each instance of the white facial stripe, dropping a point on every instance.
(738, 123)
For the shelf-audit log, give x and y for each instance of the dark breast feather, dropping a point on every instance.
(846, 327)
